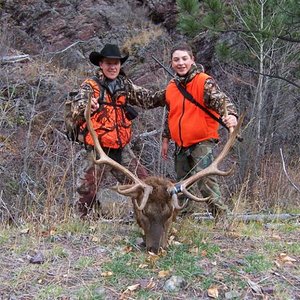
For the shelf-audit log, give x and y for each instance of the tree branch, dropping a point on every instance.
(288, 39)
(277, 77)
(286, 174)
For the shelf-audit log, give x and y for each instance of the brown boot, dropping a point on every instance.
(85, 204)
(220, 214)
(188, 209)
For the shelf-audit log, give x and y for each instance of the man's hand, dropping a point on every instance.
(230, 121)
(94, 104)
(164, 148)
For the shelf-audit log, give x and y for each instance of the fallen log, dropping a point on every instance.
(14, 59)
(265, 217)
(251, 217)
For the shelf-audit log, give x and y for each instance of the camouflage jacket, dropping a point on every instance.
(213, 97)
(135, 95)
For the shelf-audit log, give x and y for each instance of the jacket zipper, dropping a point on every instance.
(179, 124)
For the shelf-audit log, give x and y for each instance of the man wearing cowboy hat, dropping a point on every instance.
(109, 51)
(111, 93)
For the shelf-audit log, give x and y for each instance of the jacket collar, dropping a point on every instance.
(195, 69)
(112, 86)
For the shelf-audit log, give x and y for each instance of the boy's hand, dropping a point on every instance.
(164, 148)
(94, 104)
(230, 121)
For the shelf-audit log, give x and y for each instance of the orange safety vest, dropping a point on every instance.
(110, 123)
(188, 123)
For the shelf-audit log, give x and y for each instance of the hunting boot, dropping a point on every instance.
(86, 187)
(188, 210)
(85, 202)
(220, 213)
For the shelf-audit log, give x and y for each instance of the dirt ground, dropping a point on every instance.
(102, 260)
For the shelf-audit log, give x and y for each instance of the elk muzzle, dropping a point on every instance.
(156, 216)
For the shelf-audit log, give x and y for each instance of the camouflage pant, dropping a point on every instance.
(92, 176)
(191, 160)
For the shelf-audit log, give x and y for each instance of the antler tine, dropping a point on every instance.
(176, 204)
(212, 169)
(193, 197)
(130, 190)
(105, 159)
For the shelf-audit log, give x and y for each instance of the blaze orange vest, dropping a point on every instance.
(110, 123)
(188, 123)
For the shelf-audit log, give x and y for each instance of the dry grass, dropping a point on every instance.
(102, 260)
(142, 38)
(271, 190)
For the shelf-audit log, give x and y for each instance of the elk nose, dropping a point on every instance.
(153, 249)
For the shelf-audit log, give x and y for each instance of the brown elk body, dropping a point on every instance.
(155, 199)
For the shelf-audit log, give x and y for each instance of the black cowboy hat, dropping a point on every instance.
(108, 51)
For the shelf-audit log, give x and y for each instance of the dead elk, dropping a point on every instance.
(155, 199)
(156, 213)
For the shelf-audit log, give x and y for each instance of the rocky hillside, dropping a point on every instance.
(69, 30)
(44, 51)
(44, 48)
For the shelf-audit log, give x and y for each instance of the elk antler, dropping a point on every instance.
(105, 159)
(212, 169)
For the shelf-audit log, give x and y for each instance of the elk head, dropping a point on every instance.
(156, 213)
(155, 199)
